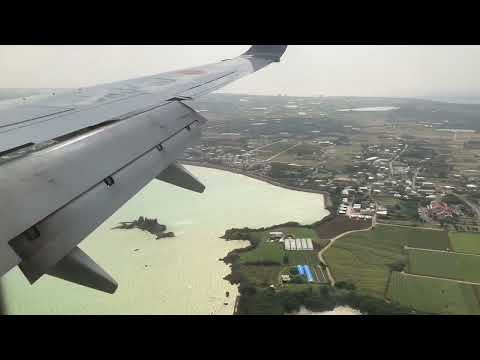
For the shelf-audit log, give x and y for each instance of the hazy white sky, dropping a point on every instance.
(305, 70)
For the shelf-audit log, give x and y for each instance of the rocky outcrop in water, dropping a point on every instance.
(150, 225)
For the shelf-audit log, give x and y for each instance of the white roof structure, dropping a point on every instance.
(309, 244)
(293, 245)
(304, 244)
(299, 244)
(276, 233)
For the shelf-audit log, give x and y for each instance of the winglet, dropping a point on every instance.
(270, 52)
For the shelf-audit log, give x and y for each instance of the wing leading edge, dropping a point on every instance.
(70, 161)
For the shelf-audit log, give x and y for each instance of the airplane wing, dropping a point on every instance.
(69, 160)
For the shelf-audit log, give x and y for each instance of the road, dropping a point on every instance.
(390, 163)
(264, 146)
(474, 207)
(414, 179)
(282, 152)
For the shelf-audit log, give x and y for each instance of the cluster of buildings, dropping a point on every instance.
(291, 243)
(440, 210)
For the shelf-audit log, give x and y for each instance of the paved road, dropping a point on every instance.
(264, 146)
(281, 152)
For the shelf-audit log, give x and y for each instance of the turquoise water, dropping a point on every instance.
(183, 274)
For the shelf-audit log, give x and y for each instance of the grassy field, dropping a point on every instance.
(302, 257)
(341, 156)
(274, 251)
(265, 252)
(366, 258)
(465, 242)
(447, 265)
(427, 239)
(437, 296)
(413, 223)
(262, 276)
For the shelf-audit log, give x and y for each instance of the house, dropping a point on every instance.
(275, 235)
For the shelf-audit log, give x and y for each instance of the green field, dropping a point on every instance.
(436, 296)
(448, 265)
(302, 257)
(265, 252)
(262, 276)
(427, 239)
(465, 242)
(366, 258)
(273, 252)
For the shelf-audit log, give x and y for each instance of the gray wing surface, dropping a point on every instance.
(69, 160)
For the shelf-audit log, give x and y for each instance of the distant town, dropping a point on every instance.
(371, 161)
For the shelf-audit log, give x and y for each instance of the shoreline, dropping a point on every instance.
(326, 196)
(231, 257)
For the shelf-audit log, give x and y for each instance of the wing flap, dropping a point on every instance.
(79, 268)
(40, 183)
(131, 131)
(177, 175)
(61, 231)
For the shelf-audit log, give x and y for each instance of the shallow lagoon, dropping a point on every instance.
(181, 275)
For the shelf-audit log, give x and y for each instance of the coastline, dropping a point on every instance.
(326, 196)
(231, 257)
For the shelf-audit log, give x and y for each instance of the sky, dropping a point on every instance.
(307, 70)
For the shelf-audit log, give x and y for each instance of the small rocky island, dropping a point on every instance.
(150, 225)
